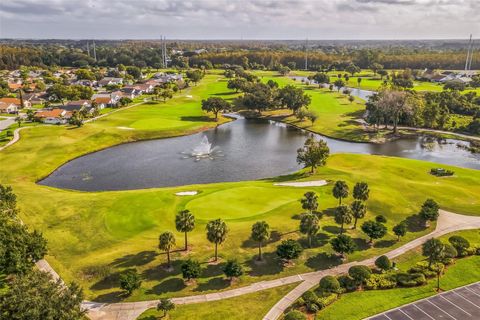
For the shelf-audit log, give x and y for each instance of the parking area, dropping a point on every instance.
(458, 304)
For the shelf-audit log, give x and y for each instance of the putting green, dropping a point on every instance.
(242, 202)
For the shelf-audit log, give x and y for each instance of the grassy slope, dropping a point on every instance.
(120, 229)
(238, 308)
(359, 305)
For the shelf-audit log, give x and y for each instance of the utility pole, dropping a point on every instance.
(471, 55)
(165, 63)
(88, 48)
(306, 54)
(467, 61)
(94, 51)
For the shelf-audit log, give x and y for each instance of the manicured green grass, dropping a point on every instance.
(361, 304)
(93, 234)
(250, 306)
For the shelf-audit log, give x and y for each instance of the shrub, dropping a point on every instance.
(312, 307)
(381, 281)
(190, 269)
(327, 300)
(460, 244)
(329, 284)
(309, 297)
(381, 219)
(449, 251)
(477, 251)
(422, 267)
(383, 263)
(410, 279)
(289, 249)
(359, 273)
(295, 315)
(233, 269)
(429, 211)
(347, 283)
(130, 280)
(440, 172)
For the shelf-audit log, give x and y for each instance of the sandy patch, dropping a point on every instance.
(315, 183)
(186, 193)
(189, 96)
(125, 128)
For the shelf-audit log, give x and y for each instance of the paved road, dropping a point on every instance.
(459, 304)
(447, 222)
(6, 122)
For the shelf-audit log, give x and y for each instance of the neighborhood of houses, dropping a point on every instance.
(26, 94)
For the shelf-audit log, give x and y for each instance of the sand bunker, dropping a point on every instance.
(186, 193)
(315, 183)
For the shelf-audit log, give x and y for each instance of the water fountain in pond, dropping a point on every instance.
(204, 150)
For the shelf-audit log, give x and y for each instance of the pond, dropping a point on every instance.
(243, 150)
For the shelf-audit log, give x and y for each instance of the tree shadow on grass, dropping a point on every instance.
(323, 261)
(288, 177)
(217, 283)
(197, 119)
(384, 243)
(415, 223)
(213, 270)
(115, 296)
(169, 285)
(319, 240)
(331, 229)
(110, 281)
(329, 212)
(270, 265)
(227, 93)
(361, 243)
(158, 272)
(133, 260)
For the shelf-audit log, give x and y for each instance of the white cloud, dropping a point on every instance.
(255, 19)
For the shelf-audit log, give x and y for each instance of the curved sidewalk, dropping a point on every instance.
(447, 222)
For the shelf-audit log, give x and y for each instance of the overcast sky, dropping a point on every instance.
(237, 19)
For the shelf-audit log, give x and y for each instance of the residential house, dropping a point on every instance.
(54, 116)
(35, 98)
(110, 81)
(16, 101)
(113, 97)
(8, 108)
(77, 105)
(130, 92)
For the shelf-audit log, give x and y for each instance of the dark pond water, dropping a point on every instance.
(244, 150)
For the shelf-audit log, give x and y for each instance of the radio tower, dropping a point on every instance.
(468, 61)
(88, 48)
(306, 54)
(94, 51)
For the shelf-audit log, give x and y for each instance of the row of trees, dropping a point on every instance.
(26, 292)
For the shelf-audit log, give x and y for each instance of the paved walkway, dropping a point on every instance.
(6, 122)
(447, 222)
(16, 137)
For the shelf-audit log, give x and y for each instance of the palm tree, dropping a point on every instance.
(217, 233)
(361, 191)
(260, 234)
(185, 222)
(309, 226)
(340, 191)
(166, 243)
(343, 215)
(358, 210)
(309, 201)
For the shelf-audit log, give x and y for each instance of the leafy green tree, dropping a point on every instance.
(217, 231)
(429, 211)
(343, 215)
(340, 191)
(329, 284)
(260, 234)
(130, 281)
(352, 69)
(215, 105)
(383, 263)
(237, 84)
(321, 78)
(289, 249)
(374, 230)
(185, 222)
(8, 201)
(351, 98)
(135, 72)
(165, 305)
(309, 201)
(191, 269)
(233, 269)
(194, 75)
(312, 116)
(35, 295)
(313, 154)
(309, 226)
(339, 83)
(381, 219)
(434, 250)
(343, 245)
(400, 230)
(166, 243)
(293, 98)
(460, 244)
(376, 67)
(361, 191)
(359, 210)
(360, 273)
